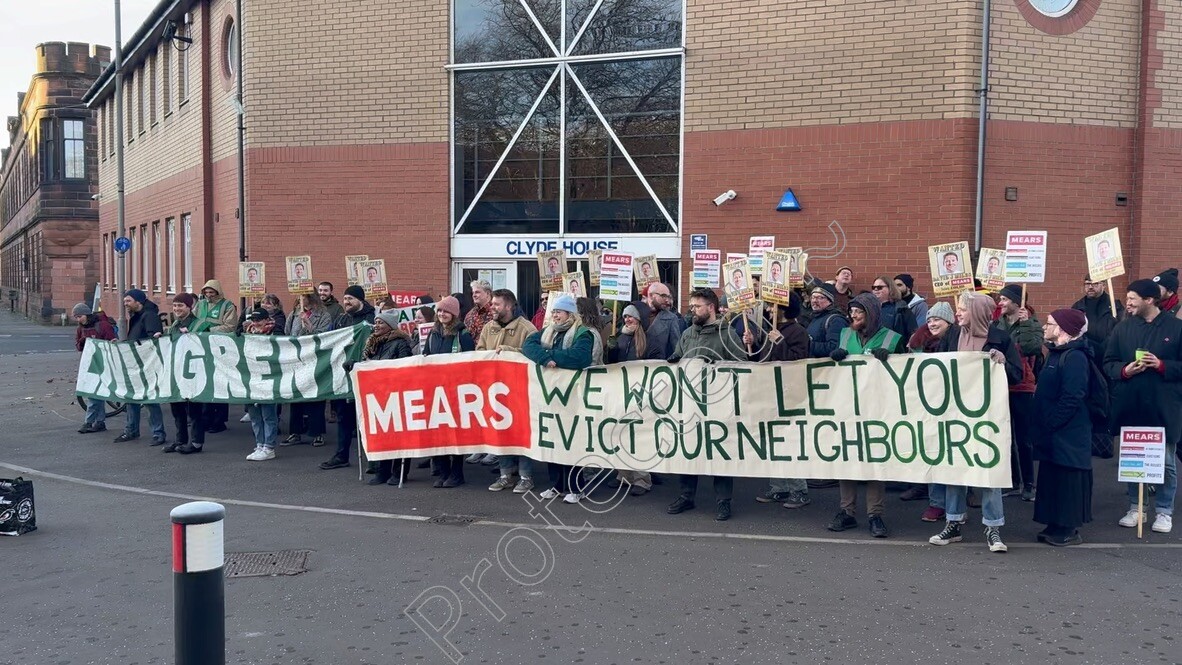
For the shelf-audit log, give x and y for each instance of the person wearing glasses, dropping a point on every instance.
(666, 326)
(1096, 304)
(896, 315)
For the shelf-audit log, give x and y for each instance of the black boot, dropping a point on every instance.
(381, 473)
(724, 510)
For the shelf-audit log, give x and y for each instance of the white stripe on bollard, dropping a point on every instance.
(204, 547)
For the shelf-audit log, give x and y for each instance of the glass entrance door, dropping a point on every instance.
(500, 274)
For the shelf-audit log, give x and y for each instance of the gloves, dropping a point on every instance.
(613, 342)
(839, 354)
(881, 354)
(348, 365)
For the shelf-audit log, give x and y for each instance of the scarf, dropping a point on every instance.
(376, 340)
(554, 329)
(976, 333)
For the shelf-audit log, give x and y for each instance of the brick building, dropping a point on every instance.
(456, 139)
(49, 248)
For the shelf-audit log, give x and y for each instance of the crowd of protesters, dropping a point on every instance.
(1130, 362)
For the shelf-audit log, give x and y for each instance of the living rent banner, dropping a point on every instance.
(222, 368)
(940, 418)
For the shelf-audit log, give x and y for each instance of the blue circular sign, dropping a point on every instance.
(122, 244)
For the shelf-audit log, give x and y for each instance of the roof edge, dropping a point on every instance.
(145, 37)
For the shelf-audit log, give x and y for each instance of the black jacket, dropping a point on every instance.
(997, 339)
(347, 320)
(793, 346)
(144, 324)
(1101, 322)
(1063, 427)
(1151, 398)
(392, 349)
(438, 343)
(898, 317)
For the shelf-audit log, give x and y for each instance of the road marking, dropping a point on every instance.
(719, 535)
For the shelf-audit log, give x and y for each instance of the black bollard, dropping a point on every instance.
(199, 599)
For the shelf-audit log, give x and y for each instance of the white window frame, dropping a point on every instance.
(145, 258)
(562, 61)
(1054, 13)
(170, 233)
(187, 239)
(158, 257)
(106, 260)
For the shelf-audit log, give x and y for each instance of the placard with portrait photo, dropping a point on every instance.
(373, 278)
(736, 283)
(1105, 259)
(646, 271)
(594, 265)
(574, 284)
(551, 266)
(774, 285)
(252, 278)
(991, 269)
(951, 272)
(353, 268)
(299, 274)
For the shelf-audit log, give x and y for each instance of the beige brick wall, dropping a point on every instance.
(223, 115)
(1086, 77)
(769, 63)
(1169, 78)
(333, 72)
(173, 144)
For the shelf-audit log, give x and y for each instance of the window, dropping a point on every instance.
(111, 127)
(102, 132)
(139, 99)
(187, 239)
(145, 258)
(74, 149)
(170, 239)
(133, 269)
(127, 107)
(586, 137)
(1053, 8)
(106, 260)
(157, 257)
(152, 89)
(182, 76)
(230, 52)
(49, 165)
(114, 263)
(166, 77)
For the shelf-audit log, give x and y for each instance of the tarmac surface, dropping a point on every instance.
(630, 585)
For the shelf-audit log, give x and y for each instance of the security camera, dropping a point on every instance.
(94, 197)
(724, 197)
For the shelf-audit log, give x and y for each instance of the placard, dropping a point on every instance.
(774, 285)
(797, 265)
(1026, 256)
(615, 278)
(1142, 455)
(991, 269)
(734, 256)
(645, 268)
(252, 278)
(1105, 259)
(424, 329)
(740, 293)
(706, 269)
(299, 274)
(574, 284)
(595, 265)
(551, 265)
(374, 278)
(757, 246)
(950, 268)
(353, 268)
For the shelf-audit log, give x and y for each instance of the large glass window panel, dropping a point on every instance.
(522, 196)
(621, 26)
(496, 30)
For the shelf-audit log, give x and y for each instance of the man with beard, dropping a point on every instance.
(506, 331)
(143, 322)
(711, 339)
(1097, 306)
(828, 321)
(354, 310)
(324, 290)
(1143, 361)
(665, 328)
(919, 307)
(866, 334)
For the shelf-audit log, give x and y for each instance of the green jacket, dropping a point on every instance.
(713, 341)
(187, 323)
(885, 338)
(1026, 334)
(218, 317)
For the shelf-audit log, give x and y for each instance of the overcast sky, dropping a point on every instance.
(26, 23)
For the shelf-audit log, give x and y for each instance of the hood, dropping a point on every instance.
(869, 304)
(216, 286)
(980, 315)
(150, 307)
(1080, 343)
(366, 308)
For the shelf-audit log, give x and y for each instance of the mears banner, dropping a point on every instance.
(219, 367)
(925, 418)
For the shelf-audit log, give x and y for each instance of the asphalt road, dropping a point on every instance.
(92, 585)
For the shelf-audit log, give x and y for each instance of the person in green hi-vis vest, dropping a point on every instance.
(866, 335)
(215, 314)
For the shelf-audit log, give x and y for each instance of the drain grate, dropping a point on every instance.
(266, 564)
(455, 520)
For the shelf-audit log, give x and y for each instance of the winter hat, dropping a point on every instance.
(136, 295)
(1011, 291)
(793, 309)
(827, 290)
(449, 305)
(868, 302)
(390, 316)
(907, 280)
(943, 311)
(259, 315)
(838, 272)
(631, 311)
(356, 292)
(565, 303)
(1071, 321)
(1168, 279)
(82, 309)
(188, 299)
(1146, 288)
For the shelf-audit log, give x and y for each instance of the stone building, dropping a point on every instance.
(49, 240)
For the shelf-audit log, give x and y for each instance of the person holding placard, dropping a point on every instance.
(827, 323)
(1063, 446)
(1022, 325)
(324, 290)
(1143, 361)
(355, 310)
(311, 317)
(1097, 306)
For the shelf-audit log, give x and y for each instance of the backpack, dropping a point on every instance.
(1097, 397)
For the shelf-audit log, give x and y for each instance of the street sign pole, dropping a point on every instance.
(120, 257)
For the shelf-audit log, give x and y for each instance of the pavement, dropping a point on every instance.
(625, 585)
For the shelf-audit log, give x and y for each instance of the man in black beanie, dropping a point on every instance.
(919, 307)
(1143, 361)
(1167, 282)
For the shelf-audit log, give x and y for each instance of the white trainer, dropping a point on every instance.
(261, 454)
(572, 498)
(1163, 523)
(1130, 518)
(551, 493)
(245, 418)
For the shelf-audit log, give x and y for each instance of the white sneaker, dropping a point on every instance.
(261, 454)
(571, 498)
(1163, 523)
(1130, 518)
(551, 493)
(245, 418)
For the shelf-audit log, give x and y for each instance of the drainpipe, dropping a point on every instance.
(241, 111)
(982, 114)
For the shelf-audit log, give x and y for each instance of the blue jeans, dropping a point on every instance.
(1164, 498)
(777, 485)
(937, 495)
(992, 513)
(264, 420)
(96, 412)
(525, 465)
(155, 420)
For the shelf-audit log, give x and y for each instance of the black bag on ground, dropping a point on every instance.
(17, 513)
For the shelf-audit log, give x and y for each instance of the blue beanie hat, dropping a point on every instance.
(137, 295)
(565, 303)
